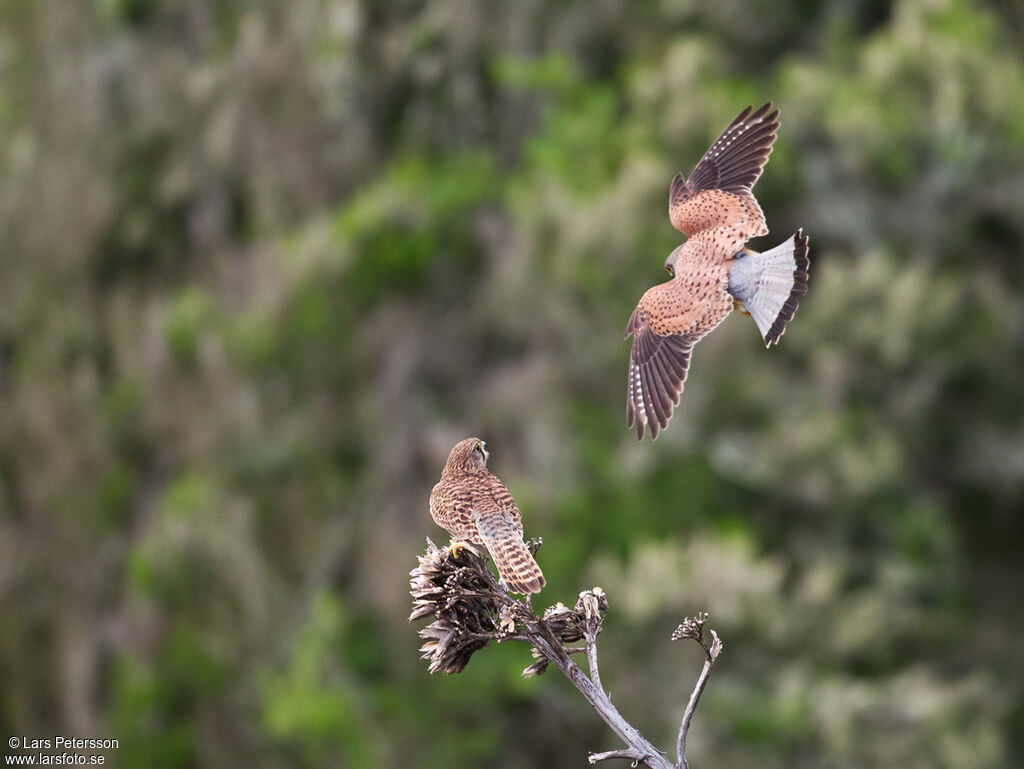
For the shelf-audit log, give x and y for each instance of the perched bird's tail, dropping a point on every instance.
(518, 568)
(504, 541)
(770, 284)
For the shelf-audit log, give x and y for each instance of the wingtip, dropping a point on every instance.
(643, 428)
(743, 115)
(633, 420)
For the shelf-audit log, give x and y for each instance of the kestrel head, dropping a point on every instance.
(670, 263)
(468, 455)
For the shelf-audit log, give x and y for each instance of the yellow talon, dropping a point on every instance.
(456, 547)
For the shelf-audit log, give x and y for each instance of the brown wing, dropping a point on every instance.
(670, 319)
(505, 502)
(502, 535)
(718, 192)
(451, 507)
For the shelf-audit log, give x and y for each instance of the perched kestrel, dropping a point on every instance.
(712, 272)
(475, 507)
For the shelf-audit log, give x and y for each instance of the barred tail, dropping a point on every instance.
(770, 284)
(517, 566)
(503, 537)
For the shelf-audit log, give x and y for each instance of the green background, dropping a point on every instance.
(263, 264)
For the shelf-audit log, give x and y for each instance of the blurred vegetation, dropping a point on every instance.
(263, 264)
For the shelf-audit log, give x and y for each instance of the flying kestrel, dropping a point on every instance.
(475, 507)
(712, 272)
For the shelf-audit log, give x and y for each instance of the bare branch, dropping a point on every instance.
(592, 607)
(595, 674)
(629, 754)
(644, 751)
(693, 627)
(472, 607)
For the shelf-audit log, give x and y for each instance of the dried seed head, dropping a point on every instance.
(692, 627)
(458, 592)
(538, 668)
(506, 622)
(471, 609)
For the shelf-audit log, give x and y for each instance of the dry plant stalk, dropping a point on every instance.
(471, 607)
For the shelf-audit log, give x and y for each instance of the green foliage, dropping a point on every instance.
(187, 317)
(310, 706)
(264, 263)
(158, 704)
(114, 496)
(190, 495)
(413, 220)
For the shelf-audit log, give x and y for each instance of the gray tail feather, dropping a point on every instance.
(771, 283)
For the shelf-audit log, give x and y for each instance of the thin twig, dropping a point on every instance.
(710, 655)
(472, 606)
(628, 753)
(640, 747)
(595, 674)
(594, 622)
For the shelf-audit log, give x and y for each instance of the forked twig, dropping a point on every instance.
(472, 607)
(693, 627)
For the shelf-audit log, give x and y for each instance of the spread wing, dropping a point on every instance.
(718, 192)
(663, 339)
(657, 370)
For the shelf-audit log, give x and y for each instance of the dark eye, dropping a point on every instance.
(478, 447)
(669, 270)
